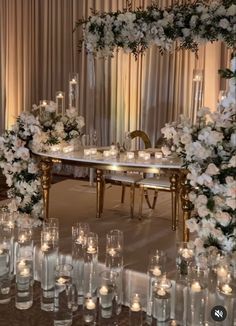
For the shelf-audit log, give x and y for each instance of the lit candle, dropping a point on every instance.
(55, 148)
(22, 238)
(21, 264)
(44, 247)
(68, 149)
(80, 240)
(61, 280)
(156, 271)
(113, 147)
(113, 152)
(93, 151)
(25, 272)
(158, 155)
(135, 307)
(147, 156)
(141, 154)
(222, 272)
(73, 81)
(11, 225)
(91, 250)
(187, 253)
(106, 153)
(130, 155)
(112, 252)
(226, 289)
(196, 287)
(90, 305)
(103, 290)
(161, 292)
(87, 152)
(60, 102)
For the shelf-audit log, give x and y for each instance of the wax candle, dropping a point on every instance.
(90, 305)
(196, 287)
(112, 252)
(161, 292)
(187, 253)
(21, 264)
(22, 238)
(68, 149)
(61, 280)
(103, 290)
(156, 271)
(93, 151)
(25, 272)
(147, 156)
(44, 247)
(130, 155)
(135, 307)
(87, 151)
(222, 272)
(226, 289)
(106, 153)
(91, 250)
(113, 147)
(158, 155)
(141, 154)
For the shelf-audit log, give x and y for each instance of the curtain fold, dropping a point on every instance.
(39, 50)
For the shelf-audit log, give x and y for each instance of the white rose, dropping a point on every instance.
(192, 225)
(231, 11)
(23, 153)
(186, 139)
(223, 218)
(212, 169)
(203, 211)
(224, 23)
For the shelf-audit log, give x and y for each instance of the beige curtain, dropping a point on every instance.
(39, 50)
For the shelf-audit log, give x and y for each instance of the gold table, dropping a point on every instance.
(179, 184)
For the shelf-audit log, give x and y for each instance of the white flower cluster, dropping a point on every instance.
(208, 149)
(17, 163)
(188, 24)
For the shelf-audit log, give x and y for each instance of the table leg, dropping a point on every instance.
(174, 198)
(186, 206)
(100, 193)
(45, 166)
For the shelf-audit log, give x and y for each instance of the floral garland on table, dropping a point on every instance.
(188, 24)
(208, 149)
(33, 131)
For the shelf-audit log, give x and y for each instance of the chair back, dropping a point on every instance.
(141, 134)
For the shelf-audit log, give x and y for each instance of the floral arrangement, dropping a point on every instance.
(33, 131)
(208, 150)
(188, 24)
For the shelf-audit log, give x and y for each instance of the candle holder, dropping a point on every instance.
(156, 269)
(135, 311)
(196, 300)
(7, 226)
(90, 265)
(63, 295)
(162, 300)
(5, 277)
(107, 292)
(114, 261)
(79, 241)
(60, 102)
(184, 257)
(74, 90)
(90, 310)
(24, 279)
(49, 249)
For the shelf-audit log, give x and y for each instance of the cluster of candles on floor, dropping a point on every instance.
(201, 282)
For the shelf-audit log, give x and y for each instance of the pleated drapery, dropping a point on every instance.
(39, 50)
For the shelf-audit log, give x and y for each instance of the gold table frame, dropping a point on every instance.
(179, 184)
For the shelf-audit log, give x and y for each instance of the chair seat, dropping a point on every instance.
(124, 178)
(162, 182)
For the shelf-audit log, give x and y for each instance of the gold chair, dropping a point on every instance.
(162, 182)
(129, 179)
